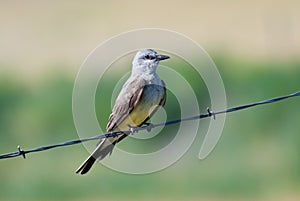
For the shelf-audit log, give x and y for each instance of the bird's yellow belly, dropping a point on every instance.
(149, 101)
(136, 117)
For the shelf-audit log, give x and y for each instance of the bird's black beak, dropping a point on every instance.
(162, 57)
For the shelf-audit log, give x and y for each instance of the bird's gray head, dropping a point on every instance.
(146, 61)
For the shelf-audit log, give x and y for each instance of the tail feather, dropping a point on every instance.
(103, 149)
(86, 165)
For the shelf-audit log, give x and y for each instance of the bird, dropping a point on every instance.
(140, 97)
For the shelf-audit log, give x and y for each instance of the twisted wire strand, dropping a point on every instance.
(147, 127)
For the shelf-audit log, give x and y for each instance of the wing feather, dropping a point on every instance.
(128, 98)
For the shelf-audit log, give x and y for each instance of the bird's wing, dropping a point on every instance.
(127, 100)
(163, 100)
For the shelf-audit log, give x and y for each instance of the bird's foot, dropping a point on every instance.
(133, 129)
(148, 126)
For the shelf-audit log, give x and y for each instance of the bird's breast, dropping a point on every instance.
(150, 99)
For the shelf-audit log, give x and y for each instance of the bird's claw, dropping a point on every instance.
(149, 127)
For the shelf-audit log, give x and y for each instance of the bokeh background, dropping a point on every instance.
(255, 45)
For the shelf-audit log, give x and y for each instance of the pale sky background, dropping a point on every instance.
(37, 35)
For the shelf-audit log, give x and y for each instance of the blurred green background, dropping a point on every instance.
(255, 46)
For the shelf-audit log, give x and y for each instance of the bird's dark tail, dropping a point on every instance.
(86, 165)
(104, 148)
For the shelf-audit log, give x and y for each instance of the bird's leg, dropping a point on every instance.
(135, 129)
(148, 126)
(132, 129)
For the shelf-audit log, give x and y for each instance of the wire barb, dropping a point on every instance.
(21, 152)
(147, 127)
(210, 113)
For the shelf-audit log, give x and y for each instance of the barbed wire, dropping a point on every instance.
(147, 127)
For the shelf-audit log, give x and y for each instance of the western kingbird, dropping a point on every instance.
(140, 97)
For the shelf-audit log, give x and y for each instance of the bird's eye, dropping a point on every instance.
(149, 57)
